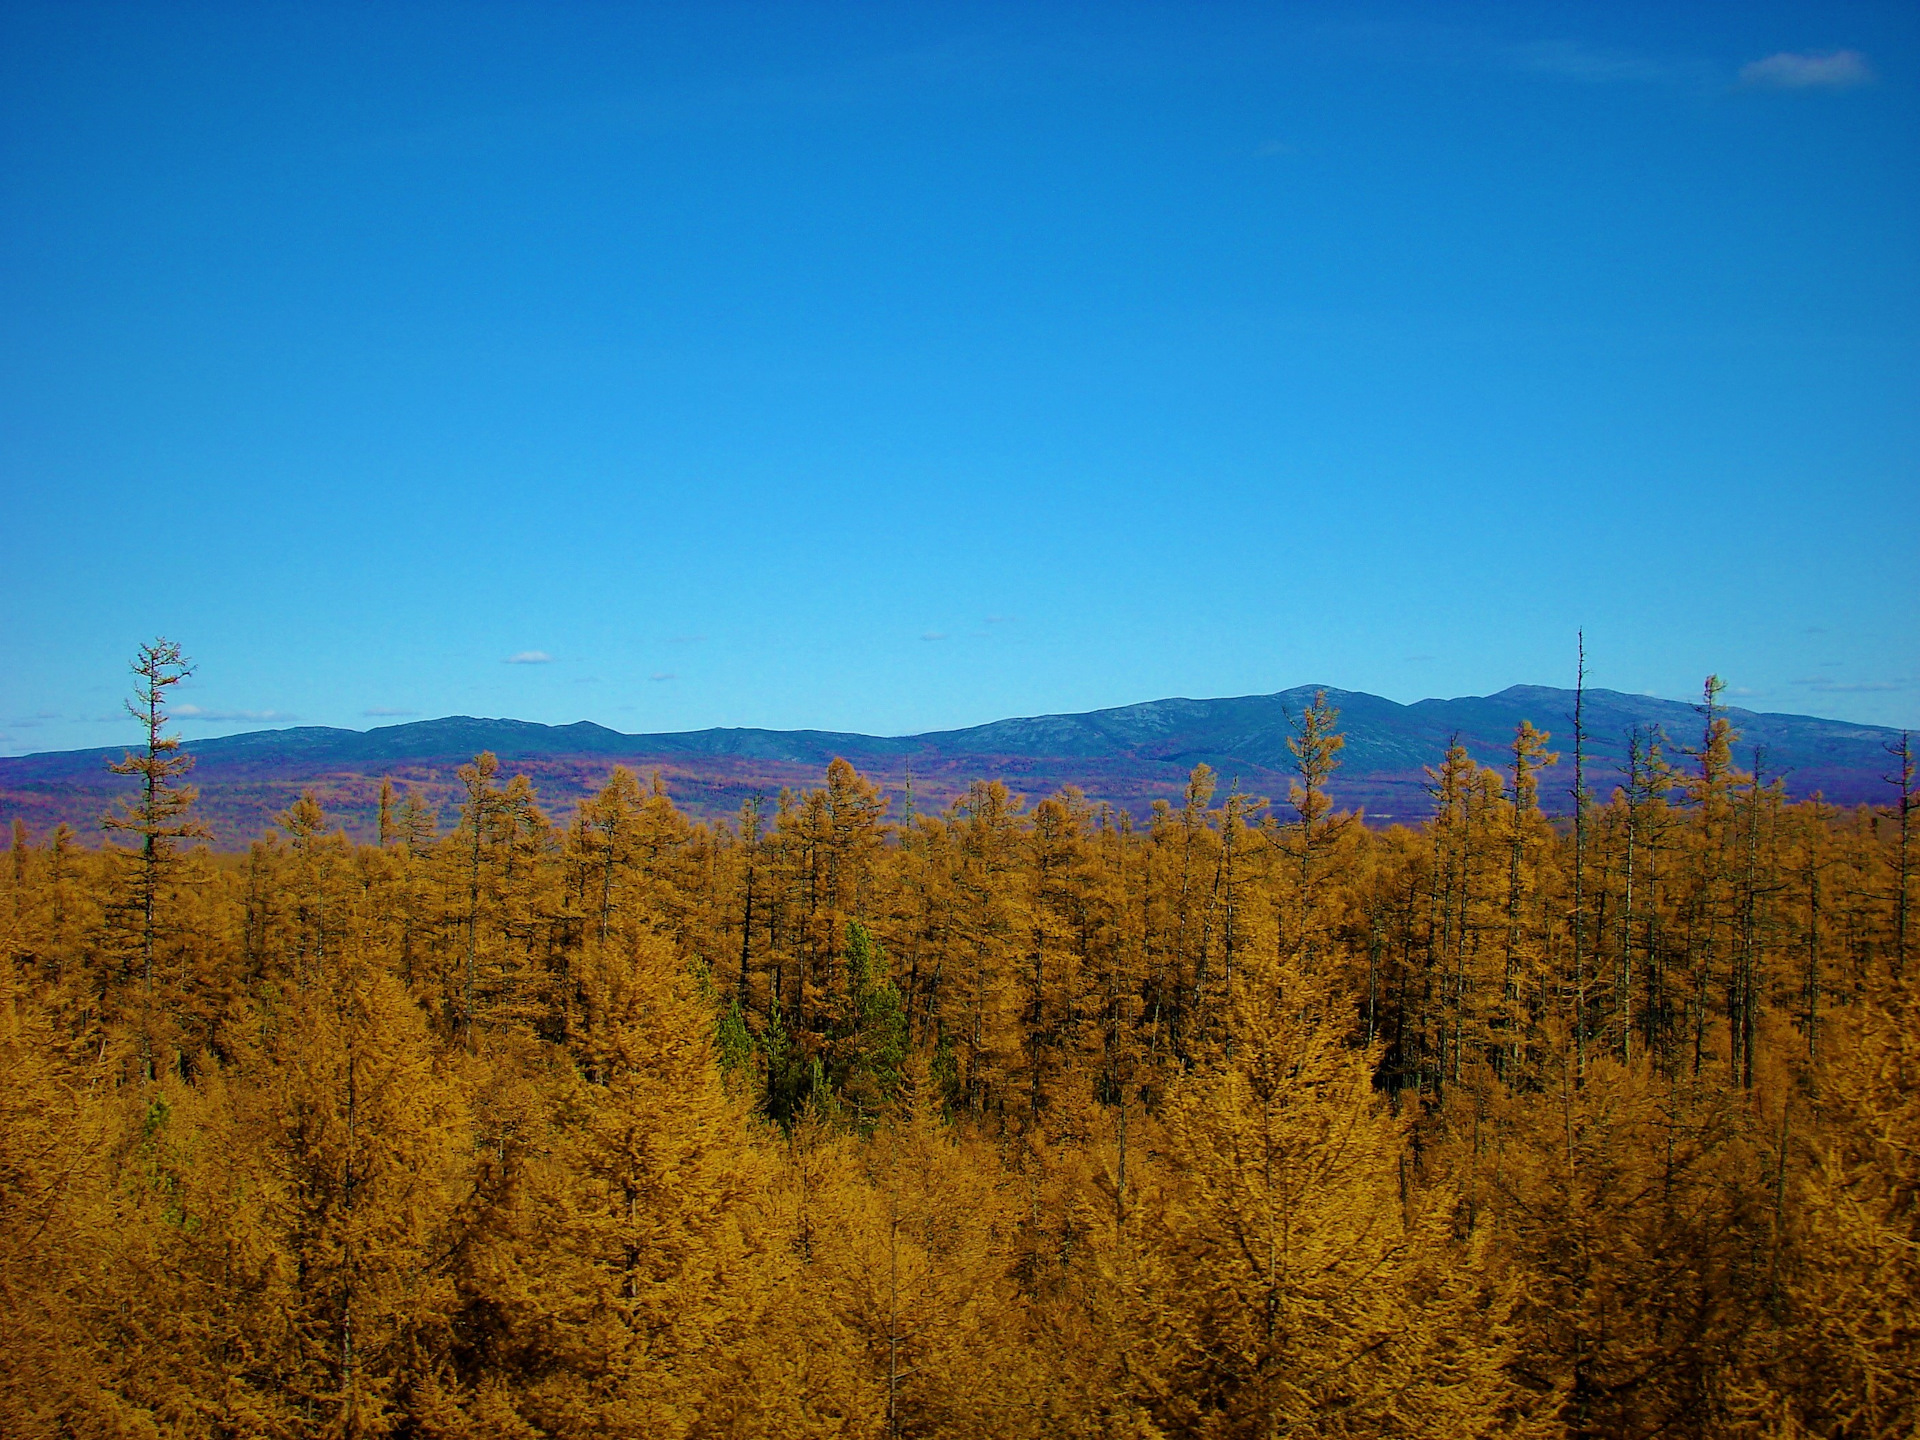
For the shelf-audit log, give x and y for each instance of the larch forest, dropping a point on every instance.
(1243, 1119)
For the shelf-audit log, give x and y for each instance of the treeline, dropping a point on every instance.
(840, 1119)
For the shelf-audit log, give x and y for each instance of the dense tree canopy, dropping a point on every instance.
(1238, 1121)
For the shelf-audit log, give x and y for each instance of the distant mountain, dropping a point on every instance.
(1130, 755)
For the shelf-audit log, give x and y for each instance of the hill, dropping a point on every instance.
(1130, 755)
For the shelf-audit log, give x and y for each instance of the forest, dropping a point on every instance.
(1023, 1118)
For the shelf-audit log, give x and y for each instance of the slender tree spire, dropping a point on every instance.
(1579, 857)
(1316, 744)
(161, 814)
(389, 831)
(1903, 880)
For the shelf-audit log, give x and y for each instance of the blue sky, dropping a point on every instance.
(899, 367)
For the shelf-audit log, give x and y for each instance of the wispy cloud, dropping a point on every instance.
(1599, 65)
(194, 712)
(1426, 42)
(1825, 686)
(1001, 619)
(386, 711)
(1829, 70)
(530, 657)
(675, 106)
(660, 676)
(934, 635)
(1586, 63)
(685, 639)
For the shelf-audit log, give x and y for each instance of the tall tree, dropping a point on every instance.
(161, 814)
(1581, 796)
(1909, 799)
(1316, 743)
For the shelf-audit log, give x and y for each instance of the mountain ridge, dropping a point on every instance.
(1126, 754)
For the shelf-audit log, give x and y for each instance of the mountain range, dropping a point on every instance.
(1130, 756)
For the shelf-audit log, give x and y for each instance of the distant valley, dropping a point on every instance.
(1129, 756)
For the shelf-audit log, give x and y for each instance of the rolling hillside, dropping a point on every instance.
(1129, 755)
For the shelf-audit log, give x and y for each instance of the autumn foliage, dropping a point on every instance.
(1012, 1120)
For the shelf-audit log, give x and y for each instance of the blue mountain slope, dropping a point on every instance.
(1382, 735)
(1129, 754)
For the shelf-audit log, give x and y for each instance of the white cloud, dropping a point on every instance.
(1572, 60)
(934, 635)
(1826, 686)
(530, 657)
(663, 675)
(194, 712)
(1832, 70)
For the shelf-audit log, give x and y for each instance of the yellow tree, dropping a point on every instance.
(1295, 1285)
(1316, 745)
(55, 1234)
(608, 824)
(365, 1132)
(1463, 907)
(1529, 847)
(979, 1044)
(1056, 1003)
(1849, 1353)
(894, 1313)
(614, 1280)
(927, 1280)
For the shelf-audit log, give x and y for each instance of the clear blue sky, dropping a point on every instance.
(891, 367)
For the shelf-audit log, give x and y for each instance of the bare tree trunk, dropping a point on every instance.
(1579, 862)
